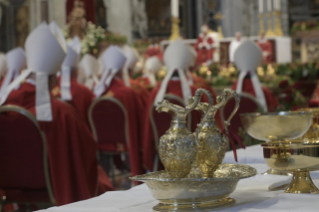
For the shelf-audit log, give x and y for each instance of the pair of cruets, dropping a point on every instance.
(181, 150)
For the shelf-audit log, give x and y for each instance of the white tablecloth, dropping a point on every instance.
(251, 194)
(252, 154)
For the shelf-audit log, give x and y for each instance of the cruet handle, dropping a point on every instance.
(237, 101)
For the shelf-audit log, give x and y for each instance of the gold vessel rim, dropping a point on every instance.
(245, 174)
(296, 142)
(280, 113)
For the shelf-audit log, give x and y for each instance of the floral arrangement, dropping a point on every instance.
(94, 36)
(290, 97)
(305, 26)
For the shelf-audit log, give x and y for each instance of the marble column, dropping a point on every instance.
(57, 12)
(119, 17)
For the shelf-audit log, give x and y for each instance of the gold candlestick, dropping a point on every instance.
(261, 23)
(278, 29)
(175, 29)
(270, 31)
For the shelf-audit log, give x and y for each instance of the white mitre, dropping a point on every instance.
(131, 60)
(152, 67)
(16, 62)
(70, 62)
(89, 68)
(247, 58)
(113, 60)
(43, 63)
(176, 57)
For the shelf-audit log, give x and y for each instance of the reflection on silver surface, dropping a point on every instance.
(276, 126)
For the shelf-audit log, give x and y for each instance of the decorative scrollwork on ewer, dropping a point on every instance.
(210, 140)
(177, 147)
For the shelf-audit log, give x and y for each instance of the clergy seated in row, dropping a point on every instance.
(68, 89)
(131, 60)
(3, 67)
(248, 57)
(314, 101)
(176, 57)
(266, 47)
(15, 63)
(112, 85)
(151, 68)
(73, 178)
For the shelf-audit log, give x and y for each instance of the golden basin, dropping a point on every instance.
(276, 126)
(297, 156)
(195, 194)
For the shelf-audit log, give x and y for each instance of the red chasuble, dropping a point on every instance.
(133, 107)
(266, 48)
(271, 100)
(153, 50)
(82, 98)
(141, 91)
(204, 54)
(173, 87)
(71, 148)
(145, 83)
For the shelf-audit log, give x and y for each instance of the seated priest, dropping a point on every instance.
(234, 45)
(204, 47)
(88, 71)
(16, 62)
(68, 89)
(112, 85)
(248, 57)
(128, 71)
(152, 50)
(266, 48)
(73, 178)
(152, 66)
(176, 57)
(3, 67)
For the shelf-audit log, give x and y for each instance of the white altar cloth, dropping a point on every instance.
(252, 154)
(251, 195)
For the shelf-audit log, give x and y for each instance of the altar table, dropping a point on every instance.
(251, 194)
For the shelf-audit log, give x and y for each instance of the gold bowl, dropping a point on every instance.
(195, 194)
(297, 156)
(313, 131)
(276, 126)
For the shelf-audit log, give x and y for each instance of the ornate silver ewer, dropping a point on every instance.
(182, 151)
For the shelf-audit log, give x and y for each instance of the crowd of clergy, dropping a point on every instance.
(50, 79)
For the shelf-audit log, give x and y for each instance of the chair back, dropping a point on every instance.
(23, 152)
(109, 123)
(248, 104)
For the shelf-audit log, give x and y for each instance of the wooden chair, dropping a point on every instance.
(161, 122)
(248, 104)
(25, 174)
(109, 124)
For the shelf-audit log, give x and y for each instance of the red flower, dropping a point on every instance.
(298, 85)
(283, 84)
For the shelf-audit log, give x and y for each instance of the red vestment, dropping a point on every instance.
(204, 48)
(82, 98)
(133, 105)
(145, 83)
(271, 100)
(71, 148)
(141, 91)
(149, 150)
(266, 48)
(200, 82)
(153, 50)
